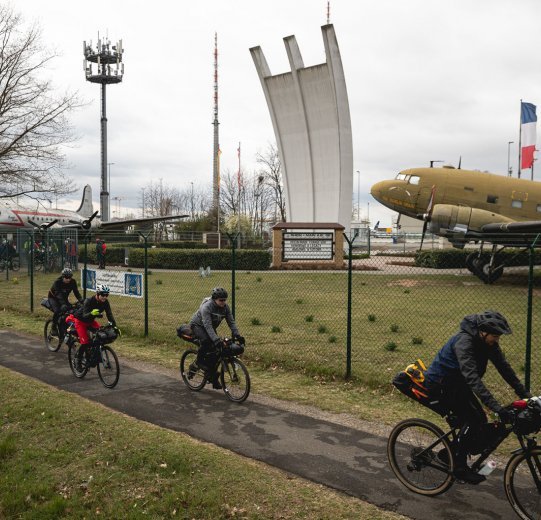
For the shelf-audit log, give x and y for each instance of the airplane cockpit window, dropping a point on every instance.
(402, 177)
(492, 199)
(414, 179)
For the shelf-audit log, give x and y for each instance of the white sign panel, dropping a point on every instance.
(120, 282)
(308, 246)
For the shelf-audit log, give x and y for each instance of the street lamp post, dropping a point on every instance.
(509, 167)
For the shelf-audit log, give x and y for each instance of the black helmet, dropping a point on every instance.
(218, 293)
(493, 322)
(67, 273)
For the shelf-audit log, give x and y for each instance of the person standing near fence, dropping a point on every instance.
(100, 253)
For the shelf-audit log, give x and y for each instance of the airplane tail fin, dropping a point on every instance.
(86, 208)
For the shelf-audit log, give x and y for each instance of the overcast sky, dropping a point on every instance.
(426, 80)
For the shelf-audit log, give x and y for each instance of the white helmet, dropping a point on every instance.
(102, 288)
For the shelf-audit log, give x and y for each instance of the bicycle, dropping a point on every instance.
(421, 456)
(97, 354)
(232, 372)
(53, 341)
(11, 264)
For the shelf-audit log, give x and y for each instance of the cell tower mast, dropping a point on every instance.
(110, 70)
(216, 154)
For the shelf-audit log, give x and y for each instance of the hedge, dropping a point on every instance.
(216, 259)
(114, 255)
(456, 258)
(179, 244)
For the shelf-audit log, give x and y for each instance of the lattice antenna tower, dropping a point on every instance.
(328, 12)
(109, 70)
(216, 152)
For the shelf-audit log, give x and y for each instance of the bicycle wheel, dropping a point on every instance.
(15, 264)
(108, 367)
(235, 380)
(79, 366)
(522, 478)
(420, 458)
(194, 379)
(53, 343)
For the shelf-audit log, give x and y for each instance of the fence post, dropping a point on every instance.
(350, 269)
(145, 238)
(528, 361)
(233, 240)
(85, 272)
(31, 267)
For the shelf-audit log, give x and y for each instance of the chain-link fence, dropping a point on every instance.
(300, 320)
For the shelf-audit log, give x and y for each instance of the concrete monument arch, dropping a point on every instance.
(309, 110)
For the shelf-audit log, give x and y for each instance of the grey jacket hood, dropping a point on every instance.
(469, 325)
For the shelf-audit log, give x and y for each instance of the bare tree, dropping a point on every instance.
(271, 170)
(33, 120)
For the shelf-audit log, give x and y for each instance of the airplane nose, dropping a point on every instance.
(377, 189)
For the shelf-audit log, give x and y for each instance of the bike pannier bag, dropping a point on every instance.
(410, 382)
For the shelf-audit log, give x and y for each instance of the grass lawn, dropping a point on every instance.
(297, 320)
(65, 457)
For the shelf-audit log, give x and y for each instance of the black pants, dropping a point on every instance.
(206, 355)
(57, 309)
(461, 401)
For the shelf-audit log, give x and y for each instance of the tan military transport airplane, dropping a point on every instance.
(13, 217)
(465, 206)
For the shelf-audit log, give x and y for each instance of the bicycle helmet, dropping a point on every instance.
(218, 293)
(102, 288)
(493, 322)
(67, 273)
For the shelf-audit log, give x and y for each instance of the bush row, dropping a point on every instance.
(246, 259)
(114, 255)
(456, 258)
(179, 244)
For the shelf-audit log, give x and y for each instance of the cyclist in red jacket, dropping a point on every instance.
(84, 317)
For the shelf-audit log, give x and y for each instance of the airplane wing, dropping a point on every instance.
(527, 226)
(120, 224)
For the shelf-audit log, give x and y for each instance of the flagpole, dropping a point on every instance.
(238, 219)
(520, 140)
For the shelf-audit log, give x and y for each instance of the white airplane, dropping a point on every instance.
(13, 217)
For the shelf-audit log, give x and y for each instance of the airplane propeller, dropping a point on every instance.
(42, 227)
(427, 217)
(87, 223)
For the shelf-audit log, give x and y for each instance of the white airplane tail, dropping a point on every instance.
(86, 208)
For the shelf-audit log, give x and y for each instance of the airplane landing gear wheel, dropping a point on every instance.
(484, 273)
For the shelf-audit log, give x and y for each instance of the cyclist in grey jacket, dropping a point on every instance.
(455, 378)
(204, 324)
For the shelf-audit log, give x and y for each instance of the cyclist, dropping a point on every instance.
(204, 323)
(58, 296)
(85, 317)
(455, 378)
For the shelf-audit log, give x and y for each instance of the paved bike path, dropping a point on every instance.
(337, 456)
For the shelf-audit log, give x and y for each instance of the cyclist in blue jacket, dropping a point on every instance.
(455, 378)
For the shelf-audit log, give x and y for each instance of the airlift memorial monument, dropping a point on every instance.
(309, 110)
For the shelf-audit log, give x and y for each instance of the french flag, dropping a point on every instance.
(528, 121)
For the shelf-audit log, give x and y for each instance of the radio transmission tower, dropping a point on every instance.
(109, 70)
(216, 156)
